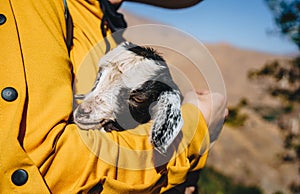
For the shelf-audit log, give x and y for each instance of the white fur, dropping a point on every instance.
(119, 69)
(167, 110)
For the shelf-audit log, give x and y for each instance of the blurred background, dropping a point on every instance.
(256, 45)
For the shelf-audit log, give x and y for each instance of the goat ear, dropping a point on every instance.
(167, 120)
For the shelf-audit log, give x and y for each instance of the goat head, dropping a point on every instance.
(133, 86)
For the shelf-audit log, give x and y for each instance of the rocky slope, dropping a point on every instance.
(249, 153)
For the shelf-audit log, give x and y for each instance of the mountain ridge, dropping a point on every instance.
(249, 153)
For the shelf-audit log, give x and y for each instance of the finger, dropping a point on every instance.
(189, 190)
(226, 112)
(202, 92)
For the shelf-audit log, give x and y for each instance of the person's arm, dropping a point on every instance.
(167, 4)
(213, 108)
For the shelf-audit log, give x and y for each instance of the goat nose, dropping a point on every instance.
(83, 110)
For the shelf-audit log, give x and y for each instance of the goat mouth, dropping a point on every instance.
(92, 125)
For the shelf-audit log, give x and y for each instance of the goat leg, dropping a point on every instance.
(112, 125)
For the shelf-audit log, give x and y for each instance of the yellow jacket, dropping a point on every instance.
(39, 151)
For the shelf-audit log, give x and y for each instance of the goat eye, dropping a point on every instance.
(138, 98)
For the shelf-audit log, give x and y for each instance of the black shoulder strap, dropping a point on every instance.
(111, 17)
(113, 20)
(69, 26)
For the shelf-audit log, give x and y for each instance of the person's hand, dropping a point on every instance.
(115, 2)
(213, 108)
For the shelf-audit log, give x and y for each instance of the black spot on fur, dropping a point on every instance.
(162, 134)
(145, 52)
(131, 113)
(124, 117)
(150, 92)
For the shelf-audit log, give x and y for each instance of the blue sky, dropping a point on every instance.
(243, 23)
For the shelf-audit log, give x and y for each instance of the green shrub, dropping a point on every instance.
(214, 182)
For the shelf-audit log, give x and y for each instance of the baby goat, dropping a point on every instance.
(133, 86)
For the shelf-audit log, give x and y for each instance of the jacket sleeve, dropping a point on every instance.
(124, 162)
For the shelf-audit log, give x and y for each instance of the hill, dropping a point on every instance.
(248, 154)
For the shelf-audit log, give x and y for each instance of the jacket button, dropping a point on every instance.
(19, 177)
(2, 19)
(9, 94)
